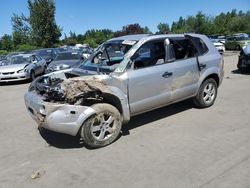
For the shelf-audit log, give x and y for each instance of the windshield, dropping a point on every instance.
(243, 38)
(15, 60)
(67, 56)
(44, 53)
(108, 56)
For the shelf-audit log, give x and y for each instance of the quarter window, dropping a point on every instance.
(200, 45)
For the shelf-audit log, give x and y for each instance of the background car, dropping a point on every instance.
(2, 57)
(219, 45)
(219, 38)
(22, 67)
(244, 59)
(48, 54)
(237, 41)
(65, 60)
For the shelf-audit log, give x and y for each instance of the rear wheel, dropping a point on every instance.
(238, 47)
(102, 128)
(206, 94)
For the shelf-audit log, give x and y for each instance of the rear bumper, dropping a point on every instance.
(62, 118)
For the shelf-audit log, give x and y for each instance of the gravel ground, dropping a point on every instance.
(176, 146)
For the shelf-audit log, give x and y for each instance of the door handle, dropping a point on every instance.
(167, 74)
(202, 66)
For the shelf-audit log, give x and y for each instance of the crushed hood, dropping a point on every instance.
(69, 87)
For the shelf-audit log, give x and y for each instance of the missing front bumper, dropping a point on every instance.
(62, 118)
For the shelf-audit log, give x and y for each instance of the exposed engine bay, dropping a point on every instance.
(69, 89)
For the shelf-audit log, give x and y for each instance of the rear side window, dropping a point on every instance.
(200, 46)
(183, 48)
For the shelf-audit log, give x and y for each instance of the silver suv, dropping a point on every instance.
(124, 77)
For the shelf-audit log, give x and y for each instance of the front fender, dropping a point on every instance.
(123, 98)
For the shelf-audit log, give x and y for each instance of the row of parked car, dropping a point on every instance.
(19, 66)
(232, 42)
(123, 77)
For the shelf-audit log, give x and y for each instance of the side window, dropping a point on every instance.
(38, 58)
(183, 48)
(150, 54)
(200, 46)
(33, 58)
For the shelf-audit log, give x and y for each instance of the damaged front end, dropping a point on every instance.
(61, 104)
(74, 91)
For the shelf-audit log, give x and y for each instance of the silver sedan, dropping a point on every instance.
(22, 67)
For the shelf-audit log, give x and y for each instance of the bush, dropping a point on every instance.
(3, 52)
(26, 47)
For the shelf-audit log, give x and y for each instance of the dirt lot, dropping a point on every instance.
(176, 146)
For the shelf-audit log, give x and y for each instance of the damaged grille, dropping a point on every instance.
(50, 88)
(72, 91)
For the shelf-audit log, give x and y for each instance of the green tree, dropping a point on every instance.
(21, 30)
(45, 32)
(130, 29)
(96, 37)
(146, 30)
(163, 28)
(7, 43)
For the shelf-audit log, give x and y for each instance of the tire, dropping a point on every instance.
(207, 94)
(238, 47)
(32, 75)
(102, 128)
(242, 66)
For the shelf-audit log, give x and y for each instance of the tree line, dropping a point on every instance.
(39, 28)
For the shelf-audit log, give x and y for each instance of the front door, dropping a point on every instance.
(150, 79)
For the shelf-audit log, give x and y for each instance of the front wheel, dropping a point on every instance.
(206, 94)
(102, 128)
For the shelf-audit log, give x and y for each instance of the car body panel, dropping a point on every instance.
(133, 90)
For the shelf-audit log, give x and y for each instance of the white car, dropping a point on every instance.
(219, 45)
(22, 67)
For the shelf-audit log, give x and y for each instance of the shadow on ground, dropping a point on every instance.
(64, 141)
(237, 71)
(14, 83)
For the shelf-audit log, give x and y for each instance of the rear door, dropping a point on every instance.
(185, 70)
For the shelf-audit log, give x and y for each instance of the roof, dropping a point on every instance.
(23, 55)
(131, 37)
(149, 37)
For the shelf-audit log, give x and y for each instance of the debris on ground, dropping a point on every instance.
(37, 174)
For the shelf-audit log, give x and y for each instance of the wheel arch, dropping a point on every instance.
(213, 76)
(113, 100)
